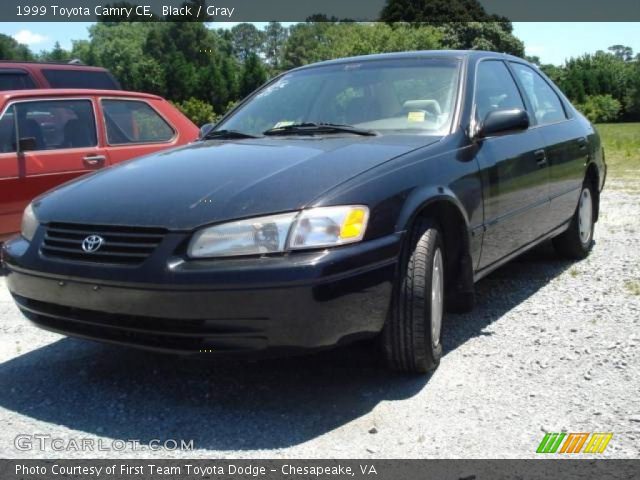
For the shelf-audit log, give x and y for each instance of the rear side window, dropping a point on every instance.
(495, 89)
(49, 125)
(15, 80)
(132, 121)
(547, 106)
(77, 78)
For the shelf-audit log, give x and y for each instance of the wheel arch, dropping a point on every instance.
(592, 176)
(441, 205)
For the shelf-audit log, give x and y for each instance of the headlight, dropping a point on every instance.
(317, 227)
(29, 223)
(328, 226)
(246, 237)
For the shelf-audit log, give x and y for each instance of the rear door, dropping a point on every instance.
(514, 170)
(134, 128)
(565, 142)
(44, 142)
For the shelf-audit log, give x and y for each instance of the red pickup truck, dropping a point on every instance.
(50, 136)
(29, 75)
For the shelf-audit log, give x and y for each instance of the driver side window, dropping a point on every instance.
(495, 89)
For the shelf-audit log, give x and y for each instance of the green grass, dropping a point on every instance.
(633, 287)
(622, 149)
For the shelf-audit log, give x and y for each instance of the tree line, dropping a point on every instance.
(206, 70)
(605, 86)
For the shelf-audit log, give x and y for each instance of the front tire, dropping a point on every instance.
(577, 241)
(411, 337)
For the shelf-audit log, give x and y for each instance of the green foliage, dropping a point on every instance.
(622, 52)
(435, 11)
(178, 60)
(246, 40)
(312, 42)
(592, 81)
(493, 36)
(600, 108)
(275, 38)
(197, 111)
(12, 50)
(348, 39)
(119, 47)
(253, 75)
(474, 28)
(58, 54)
(83, 51)
(632, 98)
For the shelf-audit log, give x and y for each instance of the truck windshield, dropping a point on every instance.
(386, 96)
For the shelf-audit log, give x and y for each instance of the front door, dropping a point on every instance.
(514, 170)
(43, 143)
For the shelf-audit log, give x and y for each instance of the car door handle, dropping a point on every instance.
(541, 157)
(94, 160)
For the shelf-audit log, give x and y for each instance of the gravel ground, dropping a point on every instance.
(552, 346)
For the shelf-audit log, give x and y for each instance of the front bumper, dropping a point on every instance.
(305, 300)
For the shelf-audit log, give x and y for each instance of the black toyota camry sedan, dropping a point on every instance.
(354, 198)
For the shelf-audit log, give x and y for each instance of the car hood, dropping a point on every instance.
(215, 181)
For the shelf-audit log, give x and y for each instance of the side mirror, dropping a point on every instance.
(27, 144)
(503, 121)
(205, 129)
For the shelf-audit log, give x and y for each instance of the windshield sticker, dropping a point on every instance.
(272, 88)
(284, 123)
(415, 116)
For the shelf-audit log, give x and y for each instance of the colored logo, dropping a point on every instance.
(574, 442)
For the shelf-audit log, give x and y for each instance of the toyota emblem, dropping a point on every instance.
(92, 243)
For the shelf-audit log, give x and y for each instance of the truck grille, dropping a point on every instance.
(120, 245)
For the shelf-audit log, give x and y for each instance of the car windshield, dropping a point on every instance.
(387, 96)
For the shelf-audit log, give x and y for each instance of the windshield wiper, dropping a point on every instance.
(227, 134)
(309, 128)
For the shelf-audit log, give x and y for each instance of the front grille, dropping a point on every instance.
(121, 245)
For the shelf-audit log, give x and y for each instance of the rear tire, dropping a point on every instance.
(576, 242)
(411, 337)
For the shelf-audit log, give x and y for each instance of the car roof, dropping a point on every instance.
(31, 65)
(75, 92)
(459, 54)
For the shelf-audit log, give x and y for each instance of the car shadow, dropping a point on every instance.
(3, 270)
(503, 290)
(235, 404)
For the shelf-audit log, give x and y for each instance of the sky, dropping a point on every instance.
(553, 42)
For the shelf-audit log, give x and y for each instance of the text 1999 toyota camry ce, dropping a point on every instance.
(348, 199)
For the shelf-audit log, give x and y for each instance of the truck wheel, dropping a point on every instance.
(577, 241)
(411, 337)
